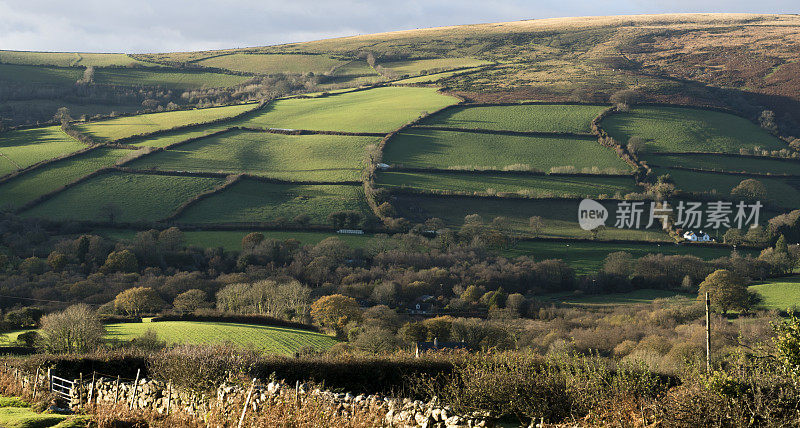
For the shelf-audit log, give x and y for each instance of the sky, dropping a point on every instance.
(140, 26)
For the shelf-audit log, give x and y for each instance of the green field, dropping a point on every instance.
(45, 179)
(630, 298)
(274, 63)
(427, 148)
(676, 129)
(780, 294)
(174, 79)
(560, 217)
(587, 257)
(727, 163)
(414, 67)
(67, 59)
(288, 157)
(25, 147)
(255, 201)
(274, 340)
(354, 68)
(121, 127)
(375, 110)
(784, 192)
(528, 117)
(435, 77)
(33, 75)
(528, 185)
(135, 197)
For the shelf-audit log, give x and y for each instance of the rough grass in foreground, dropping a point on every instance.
(288, 157)
(275, 340)
(676, 129)
(25, 147)
(114, 129)
(425, 148)
(526, 118)
(48, 178)
(527, 185)
(254, 201)
(375, 110)
(136, 197)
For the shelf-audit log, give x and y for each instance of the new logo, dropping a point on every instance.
(591, 214)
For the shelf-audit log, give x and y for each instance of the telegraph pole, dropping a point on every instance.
(708, 334)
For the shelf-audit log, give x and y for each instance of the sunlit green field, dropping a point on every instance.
(17, 413)
(134, 197)
(726, 163)
(50, 177)
(782, 191)
(560, 217)
(67, 59)
(374, 110)
(25, 147)
(273, 63)
(178, 79)
(114, 129)
(529, 117)
(413, 67)
(275, 340)
(676, 129)
(426, 148)
(528, 185)
(287, 157)
(255, 201)
(781, 293)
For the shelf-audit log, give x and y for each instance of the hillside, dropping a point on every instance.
(510, 121)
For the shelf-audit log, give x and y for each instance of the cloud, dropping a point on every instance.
(175, 25)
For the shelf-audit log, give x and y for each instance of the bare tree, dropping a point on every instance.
(76, 329)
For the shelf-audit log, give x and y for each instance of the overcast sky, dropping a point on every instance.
(137, 26)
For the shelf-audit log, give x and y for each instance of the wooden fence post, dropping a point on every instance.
(91, 389)
(169, 396)
(135, 387)
(247, 402)
(116, 391)
(36, 383)
(80, 389)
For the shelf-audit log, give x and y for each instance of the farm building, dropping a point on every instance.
(697, 237)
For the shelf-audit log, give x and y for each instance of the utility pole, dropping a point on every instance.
(708, 334)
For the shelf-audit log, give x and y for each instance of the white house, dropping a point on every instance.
(383, 166)
(696, 237)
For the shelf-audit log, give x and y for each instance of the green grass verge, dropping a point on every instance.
(288, 157)
(783, 191)
(376, 110)
(173, 79)
(426, 148)
(114, 129)
(274, 63)
(675, 129)
(560, 217)
(136, 197)
(275, 340)
(527, 118)
(28, 186)
(530, 185)
(726, 163)
(254, 201)
(25, 147)
(781, 294)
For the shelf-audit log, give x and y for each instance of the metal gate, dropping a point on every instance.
(62, 388)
